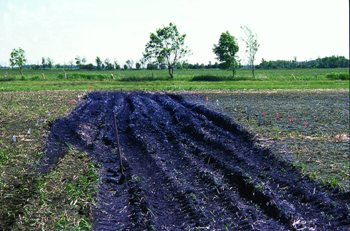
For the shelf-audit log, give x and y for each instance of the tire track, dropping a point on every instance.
(185, 167)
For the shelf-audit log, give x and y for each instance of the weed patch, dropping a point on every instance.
(23, 192)
(338, 76)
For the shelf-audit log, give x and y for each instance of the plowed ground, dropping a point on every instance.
(167, 164)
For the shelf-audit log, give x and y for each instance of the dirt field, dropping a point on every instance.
(167, 164)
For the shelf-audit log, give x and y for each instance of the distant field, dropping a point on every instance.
(200, 79)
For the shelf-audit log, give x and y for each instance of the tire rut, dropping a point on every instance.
(179, 166)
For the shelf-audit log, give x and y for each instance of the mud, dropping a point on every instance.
(179, 166)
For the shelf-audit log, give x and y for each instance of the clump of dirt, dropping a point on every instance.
(168, 164)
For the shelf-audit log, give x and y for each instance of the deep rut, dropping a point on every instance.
(179, 166)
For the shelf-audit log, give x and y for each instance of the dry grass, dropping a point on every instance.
(29, 200)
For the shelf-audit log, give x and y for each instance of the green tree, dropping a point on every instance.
(116, 65)
(252, 46)
(83, 61)
(49, 62)
(138, 66)
(226, 50)
(166, 46)
(78, 61)
(98, 63)
(17, 58)
(43, 62)
(108, 64)
(129, 63)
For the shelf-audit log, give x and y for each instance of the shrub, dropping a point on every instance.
(213, 78)
(5, 79)
(338, 76)
(145, 78)
(60, 76)
(35, 78)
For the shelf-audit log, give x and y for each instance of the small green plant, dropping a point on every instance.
(3, 157)
(313, 175)
(62, 223)
(226, 227)
(193, 196)
(136, 178)
(332, 181)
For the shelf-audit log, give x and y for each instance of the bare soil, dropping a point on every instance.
(168, 164)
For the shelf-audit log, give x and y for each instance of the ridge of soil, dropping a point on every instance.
(182, 166)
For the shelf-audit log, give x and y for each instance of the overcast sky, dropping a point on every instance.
(119, 29)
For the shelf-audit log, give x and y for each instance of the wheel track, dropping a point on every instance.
(226, 204)
(184, 165)
(298, 195)
(187, 208)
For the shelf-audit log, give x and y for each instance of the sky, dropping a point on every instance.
(119, 29)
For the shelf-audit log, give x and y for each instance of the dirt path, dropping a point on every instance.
(181, 167)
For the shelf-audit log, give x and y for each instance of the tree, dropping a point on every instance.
(43, 62)
(83, 60)
(138, 66)
(166, 45)
(252, 46)
(116, 65)
(108, 64)
(78, 61)
(17, 58)
(98, 63)
(226, 50)
(71, 64)
(49, 62)
(130, 63)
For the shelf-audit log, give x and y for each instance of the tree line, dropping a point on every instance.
(326, 62)
(166, 49)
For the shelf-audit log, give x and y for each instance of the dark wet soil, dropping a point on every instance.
(179, 166)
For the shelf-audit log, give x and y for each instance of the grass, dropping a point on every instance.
(311, 127)
(200, 79)
(64, 196)
(59, 200)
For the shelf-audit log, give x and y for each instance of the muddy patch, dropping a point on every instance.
(168, 164)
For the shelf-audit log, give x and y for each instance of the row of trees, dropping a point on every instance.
(166, 49)
(326, 62)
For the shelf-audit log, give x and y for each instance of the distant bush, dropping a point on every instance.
(5, 79)
(76, 76)
(210, 78)
(35, 78)
(145, 78)
(338, 76)
(60, 76)
(214, 78)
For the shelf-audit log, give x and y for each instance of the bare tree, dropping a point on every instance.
(252, 46)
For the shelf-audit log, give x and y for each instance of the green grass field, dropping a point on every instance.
(200, 79)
